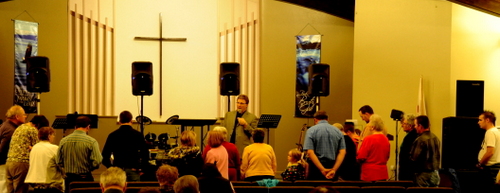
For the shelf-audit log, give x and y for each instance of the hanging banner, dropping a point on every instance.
(308, 52)
(26, 45)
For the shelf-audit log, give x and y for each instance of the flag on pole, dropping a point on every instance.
(421, 110)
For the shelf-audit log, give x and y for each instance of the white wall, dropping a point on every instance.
(395, 43)
(475, 53)
(190, 69)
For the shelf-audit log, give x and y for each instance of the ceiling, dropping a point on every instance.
(340, 8)
(345, 8)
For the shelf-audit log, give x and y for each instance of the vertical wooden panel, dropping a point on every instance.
(239, 43)
(98, 72)
(105, 58)
(112, 76)
(91, 68)
(71, 68)
(256, 67)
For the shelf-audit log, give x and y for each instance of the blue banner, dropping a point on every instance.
(26, 45)
(308, 52)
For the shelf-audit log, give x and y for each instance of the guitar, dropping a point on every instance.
(300, 147)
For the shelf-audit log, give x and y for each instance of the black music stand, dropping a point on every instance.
(268, 121)
(195, 122)
(60, 123)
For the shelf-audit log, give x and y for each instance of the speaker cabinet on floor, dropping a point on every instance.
(319, 80)
(38, 74)
(462, 139)
(470, 98)
(229, 78)
(142, 78)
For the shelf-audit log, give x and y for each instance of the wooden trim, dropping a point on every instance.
(92, 22)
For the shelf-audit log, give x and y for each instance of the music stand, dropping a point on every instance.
(60, 123)
(195, 122)
(268, 121)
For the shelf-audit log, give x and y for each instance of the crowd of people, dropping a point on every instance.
(234, 151)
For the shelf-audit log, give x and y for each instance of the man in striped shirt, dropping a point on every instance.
(79, 153)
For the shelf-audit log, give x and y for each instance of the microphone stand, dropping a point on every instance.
(396, 169)
(142, 115)
(228, 103)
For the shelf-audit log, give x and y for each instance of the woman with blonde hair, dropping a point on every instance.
(187, 157)
(217, 155)
(374, 152)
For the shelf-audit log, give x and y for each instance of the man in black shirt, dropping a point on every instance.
(405, 168)
(128, 148)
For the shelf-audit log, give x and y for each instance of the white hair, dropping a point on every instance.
(223, 130)
(113, 176)
(376, 122)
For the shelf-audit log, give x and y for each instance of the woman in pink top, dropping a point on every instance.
(374, 152)
(232, 153)
(217, 153)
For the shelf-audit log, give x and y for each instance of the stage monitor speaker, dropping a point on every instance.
(470, 98)
(142, 78)
(462, 139)
(319, 80)
(38, 74)
(229, 78)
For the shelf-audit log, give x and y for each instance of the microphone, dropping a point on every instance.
(238, 115)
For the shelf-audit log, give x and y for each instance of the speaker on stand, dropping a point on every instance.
(142, 84)
(319, 81)
(229, 80)
(38, 77)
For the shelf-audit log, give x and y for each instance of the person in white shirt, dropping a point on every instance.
(489, 155)
(43, 173)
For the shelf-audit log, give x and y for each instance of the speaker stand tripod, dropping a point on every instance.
(228, 103)
(396, 169)
(142, 115)
(38, 103)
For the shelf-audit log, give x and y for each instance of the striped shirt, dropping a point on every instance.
(79, 153)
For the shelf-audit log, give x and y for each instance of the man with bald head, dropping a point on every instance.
(15, 117)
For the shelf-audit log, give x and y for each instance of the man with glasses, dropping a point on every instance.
(240, 123)
(425, 154)
(405, 168)
(15, 117)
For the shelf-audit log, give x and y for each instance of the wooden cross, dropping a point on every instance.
(161, 39)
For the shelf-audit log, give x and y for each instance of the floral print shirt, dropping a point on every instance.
(23, 139)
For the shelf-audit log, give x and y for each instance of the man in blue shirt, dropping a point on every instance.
(325, 148)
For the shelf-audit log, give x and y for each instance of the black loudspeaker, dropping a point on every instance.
(462, 139)
(470, 98)
(397, 114)
(38, 74)
(229, 78)
(142, 78)
(319, 80)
